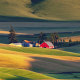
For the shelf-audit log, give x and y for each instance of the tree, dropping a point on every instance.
(42, 37)
(70, 42)
(48, 38)
(63, 40)
(54, 37)
(12, 36)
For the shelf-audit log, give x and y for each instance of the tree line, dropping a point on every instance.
(56, 40)
(53, 37)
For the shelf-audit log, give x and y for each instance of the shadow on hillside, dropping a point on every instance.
(18, 78)
(75, 49)
(27, 19)
(48, 65)
(36, 1)
(20, 19)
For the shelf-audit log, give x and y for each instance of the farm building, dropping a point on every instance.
(27, 43)
(37, 45)
(47, 44)
(16, 44)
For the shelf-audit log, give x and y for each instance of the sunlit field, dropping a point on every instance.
(37, 64)
(31, 10)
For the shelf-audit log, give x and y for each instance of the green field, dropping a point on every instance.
(75, 49)
(65, 76)
(30, 10)
(20, 74)
(18, 63)
(40, 51)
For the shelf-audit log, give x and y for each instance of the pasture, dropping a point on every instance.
(37, 64)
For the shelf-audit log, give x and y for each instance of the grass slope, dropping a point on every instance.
(16, 65)
(58, 9)
(40, 51)
(16, 11)
(39, 9)
(15, 8)
(75, 49)
(71, 76)
(20, 74)
(14, 61)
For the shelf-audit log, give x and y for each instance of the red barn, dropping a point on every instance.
(47, 44)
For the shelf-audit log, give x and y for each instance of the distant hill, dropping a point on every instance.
(39, 10)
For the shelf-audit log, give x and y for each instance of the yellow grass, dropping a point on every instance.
(14, 61)
(73, 38)
(7, 32)
(39, 63)
(66, 58)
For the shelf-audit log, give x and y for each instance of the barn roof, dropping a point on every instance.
(27, 41)
(49, 43)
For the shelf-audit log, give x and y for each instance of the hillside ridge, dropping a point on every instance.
(56, 10)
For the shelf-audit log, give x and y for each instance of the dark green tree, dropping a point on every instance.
(70, 42)
(42, 37)
(12, 36)
(54, 37)
(63, 40)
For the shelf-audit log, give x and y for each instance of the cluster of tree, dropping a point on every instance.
(52, 38)
(68, 44)
(56, 40)
(41, 37)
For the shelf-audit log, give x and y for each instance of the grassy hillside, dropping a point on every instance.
(66, 76)
(16, 67)
(10, 60)
(37, 63)
(16, 11)
(20, 74)
(40, 51)
(37, 10)
(58, 9)
(75, 49)
(14, 8)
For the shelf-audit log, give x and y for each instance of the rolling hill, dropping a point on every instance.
(37, 64)
(39, 10)
(75, 49)
(39, 51)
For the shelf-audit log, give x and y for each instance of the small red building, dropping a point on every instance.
(47, 44)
